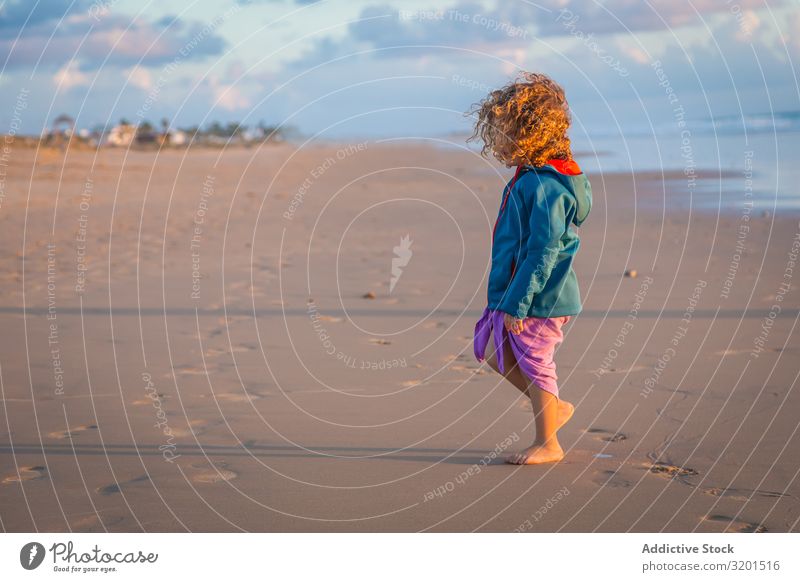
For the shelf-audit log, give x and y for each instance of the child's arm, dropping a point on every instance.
(549, 202)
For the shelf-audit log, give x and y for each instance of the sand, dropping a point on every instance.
(211, 341)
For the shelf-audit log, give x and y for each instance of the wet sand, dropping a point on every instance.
(210, 341)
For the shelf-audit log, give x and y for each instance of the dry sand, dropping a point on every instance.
(230, 375)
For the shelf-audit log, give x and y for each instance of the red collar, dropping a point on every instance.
(569, 167)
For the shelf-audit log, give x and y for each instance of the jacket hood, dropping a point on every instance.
(578, 185)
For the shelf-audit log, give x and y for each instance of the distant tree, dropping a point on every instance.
(215, 128)
(64, 124)
(230, 129)
(234, 128)
(270, 132)
(64, 119)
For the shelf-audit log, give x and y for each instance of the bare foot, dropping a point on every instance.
(536, 454)
(565, 411)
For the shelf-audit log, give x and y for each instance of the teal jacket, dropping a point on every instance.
(534, 243)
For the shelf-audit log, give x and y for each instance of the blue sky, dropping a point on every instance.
(362, 68)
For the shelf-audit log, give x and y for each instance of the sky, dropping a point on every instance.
(336, 68)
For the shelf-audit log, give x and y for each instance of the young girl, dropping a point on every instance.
(532, 289)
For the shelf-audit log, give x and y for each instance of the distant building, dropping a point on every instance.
(121, 135)
(146, 136)
(177, 138)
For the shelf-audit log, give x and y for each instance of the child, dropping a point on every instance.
(532, 288)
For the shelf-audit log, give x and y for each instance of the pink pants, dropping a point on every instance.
(533, 349)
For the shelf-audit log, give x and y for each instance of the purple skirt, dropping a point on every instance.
(533, 349)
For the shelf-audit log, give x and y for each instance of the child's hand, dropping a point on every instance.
(512, 324)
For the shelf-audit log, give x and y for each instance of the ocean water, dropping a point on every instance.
(723, 163)
(720, 169)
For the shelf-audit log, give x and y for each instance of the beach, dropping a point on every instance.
(279, 338)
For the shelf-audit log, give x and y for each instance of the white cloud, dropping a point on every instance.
(633, 51)
(748, 23)
(228, 97)
(790, 32)
(140, 77)
(70, 76)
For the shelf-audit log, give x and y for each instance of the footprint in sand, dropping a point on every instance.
(732, 524)
(94, 523)
(215, 473)
(671, 470)
(117, 487)
(214, 352)
(412, 383)
(732, 352)
(26, 474)
(72, 432)
(161, 397)
(470, 369)
(608, 436)
(237, 396)
(610, 479)
(215, 332)
(192, 371)
(625, 370)
(743, 494)
(321, 391)
(198, 426)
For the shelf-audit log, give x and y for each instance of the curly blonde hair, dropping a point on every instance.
(524, 122)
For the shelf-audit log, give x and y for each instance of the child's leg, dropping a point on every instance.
(545, 449)
(539, 402)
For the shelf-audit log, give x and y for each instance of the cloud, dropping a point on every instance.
(16, 14)
(391, 32)
(715, 74)
(791, 32)
(70, 76)
(140, 77)
(508, 26)
(632, 51)
(631, 16)
(228, 97)
(697, 68)
(50, 35)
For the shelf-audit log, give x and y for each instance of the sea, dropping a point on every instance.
(715, 165)
(723, 163)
